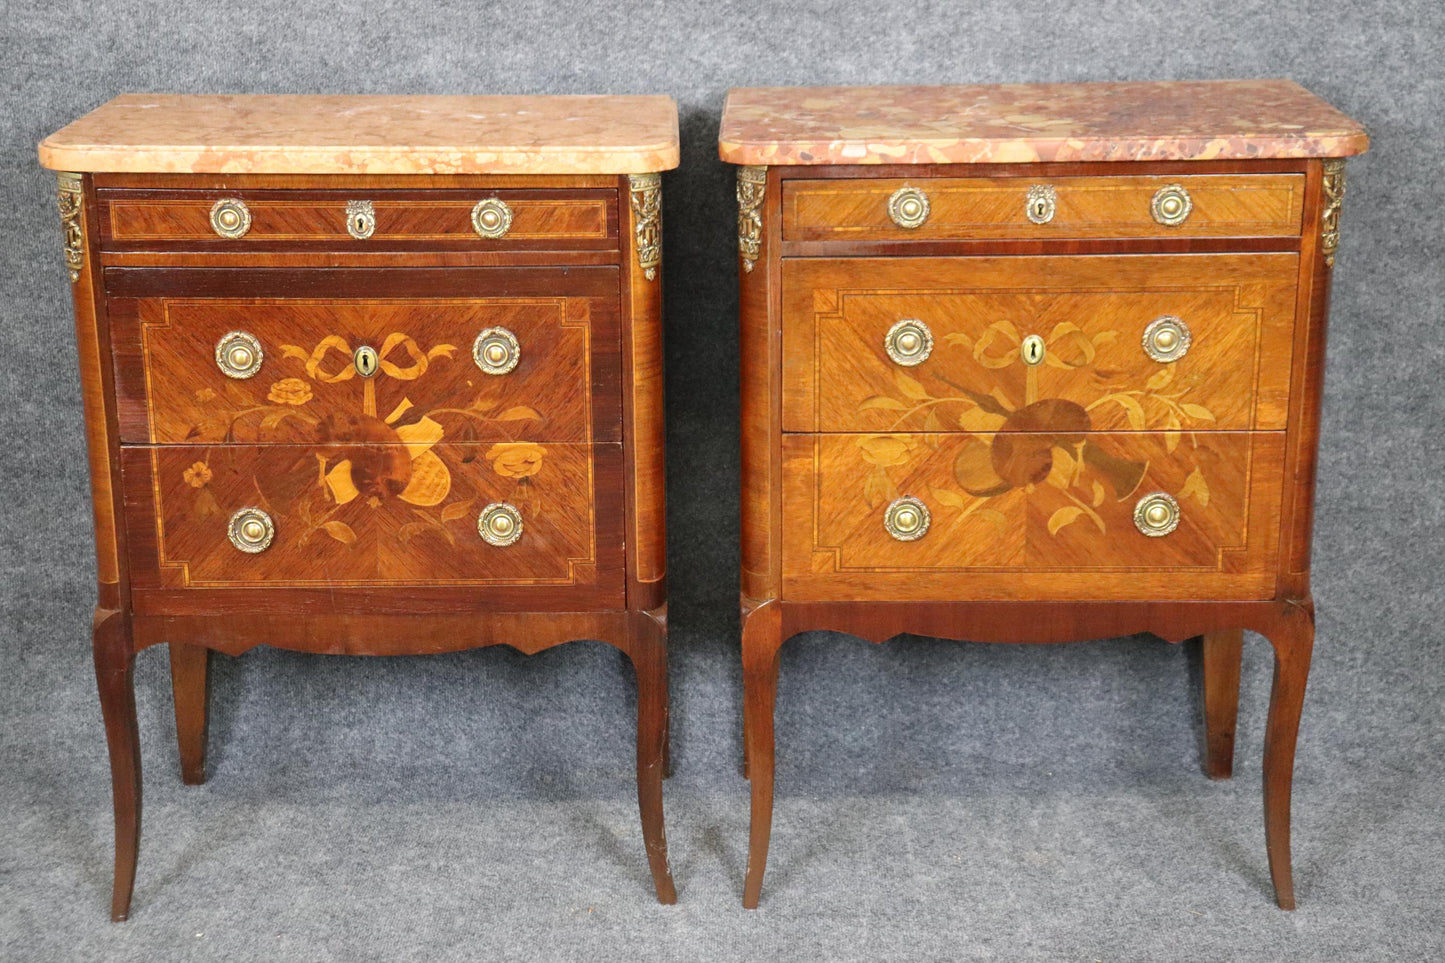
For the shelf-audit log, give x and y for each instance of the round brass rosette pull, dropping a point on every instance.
(496, 351)
(1171, 205)
(239, 355)
(908, 207)
(499, 524)
(1156, 514)
(909, 342)
(492, 217)
(230, 217)
(1167, 339)
(251, 530)
(907, 519)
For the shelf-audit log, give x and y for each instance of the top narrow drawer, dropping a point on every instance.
(251, 219)
(1126, 206)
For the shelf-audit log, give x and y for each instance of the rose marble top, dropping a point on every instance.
(1025, 123)
(296, 134)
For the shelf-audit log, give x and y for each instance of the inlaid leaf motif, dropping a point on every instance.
(412, 529)
(1132, 409)
(1062, 517)
(519, 413)
(958, 338)
(340, 531)
(993, 515)
(880, 401)
(910, 386)
(1171, 433)
(456, 510)
(1098, 492)
(1198, 411)
(1195, 487)
(1160, 379)
(946, 497)
(294, 351)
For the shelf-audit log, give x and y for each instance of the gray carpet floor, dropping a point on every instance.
(936, 801)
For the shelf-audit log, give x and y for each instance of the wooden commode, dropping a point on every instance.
(373, 376)
(1035, 363)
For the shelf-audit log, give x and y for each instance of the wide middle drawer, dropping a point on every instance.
(1169, 342)
(524, 354)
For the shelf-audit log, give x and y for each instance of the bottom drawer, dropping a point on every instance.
(1031, 515)
(378, 515)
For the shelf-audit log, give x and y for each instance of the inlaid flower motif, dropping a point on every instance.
(289, 391)
(885, 451)
(197, 475)
(516, 459)
(204, 395)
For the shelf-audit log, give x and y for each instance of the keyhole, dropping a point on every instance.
(1032, 349)
(1039, 209)
(365, 360)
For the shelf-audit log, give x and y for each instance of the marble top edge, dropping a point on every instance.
(370, 134)
(1004, 123)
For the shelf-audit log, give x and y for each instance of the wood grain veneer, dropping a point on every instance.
(372, 482)
(1030, 473)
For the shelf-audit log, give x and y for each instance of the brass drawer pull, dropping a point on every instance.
(907, 519)
(239, 355)
(492, 217)
(360, 219)
(909, 342)
(1171, 205)
(908, 207)
(496, 351)
(1031, 350)
(1156, 514)
(1042, 202)
(230, 217)
(251, 530)
(1167, 339)
(499, 524)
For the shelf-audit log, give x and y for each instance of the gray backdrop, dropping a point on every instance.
(936, 801)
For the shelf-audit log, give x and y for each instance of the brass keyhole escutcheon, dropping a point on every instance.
(360, 219)
(366, 361)
(1032, 350)
(1042, 202)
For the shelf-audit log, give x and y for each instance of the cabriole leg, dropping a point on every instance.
(114, 664)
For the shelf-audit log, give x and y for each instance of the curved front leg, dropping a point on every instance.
(114, 676)
(1293, 642)
(647, 647)
(762, 639)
